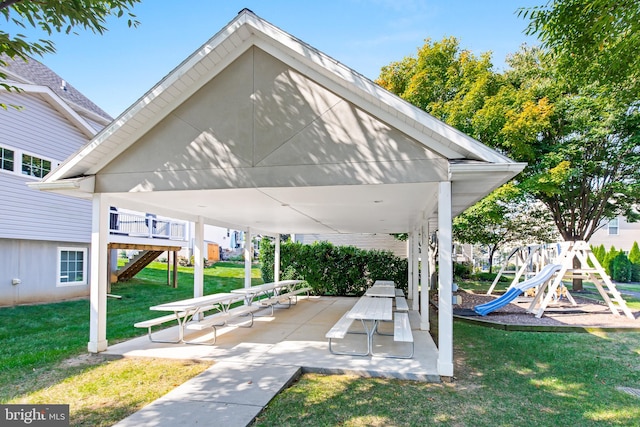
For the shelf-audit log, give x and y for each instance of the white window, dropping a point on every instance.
(21, 163)
(6, 159)
(35, 166)
(614, 226)
(72, 266)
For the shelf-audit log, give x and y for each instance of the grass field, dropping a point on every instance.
(502, 378)
(43, 352)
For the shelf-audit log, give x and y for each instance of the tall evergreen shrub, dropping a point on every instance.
(608, 259)
(621, 268)
(634, 257)
(599, 252)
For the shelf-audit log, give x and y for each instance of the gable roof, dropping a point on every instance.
(33, 72)
(256, 114)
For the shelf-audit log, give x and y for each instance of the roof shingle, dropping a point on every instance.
(34, 72)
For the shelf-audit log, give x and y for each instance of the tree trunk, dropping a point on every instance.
(492, 251)
(576, 284)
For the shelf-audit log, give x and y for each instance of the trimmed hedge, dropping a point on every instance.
(333, 270)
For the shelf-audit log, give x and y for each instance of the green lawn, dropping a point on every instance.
(37, 337)
(502, 378)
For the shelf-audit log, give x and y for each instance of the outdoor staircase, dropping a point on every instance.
(136, 264)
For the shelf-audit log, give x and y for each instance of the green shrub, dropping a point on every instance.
(635, 272)
(634, 254)
(334, 270)
(600, 253)
(621, 268)
(608, 260)
(485, 276)
(462, 270)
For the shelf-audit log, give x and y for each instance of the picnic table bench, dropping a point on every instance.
(184, 312)
(339, 331)
(270, 294)
(221, 319)
(370, 311)
(401, 304)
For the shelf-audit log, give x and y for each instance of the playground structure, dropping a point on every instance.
(548, 279)
(528, 261)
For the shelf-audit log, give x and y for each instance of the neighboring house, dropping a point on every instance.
(617, 233)
(221, 243)
(44, 237)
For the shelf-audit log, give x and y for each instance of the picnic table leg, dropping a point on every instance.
(182, 323)
(369, 331)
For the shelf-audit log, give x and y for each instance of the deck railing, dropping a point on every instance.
(149, 226)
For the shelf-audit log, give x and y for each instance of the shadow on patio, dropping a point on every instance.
(296, 337)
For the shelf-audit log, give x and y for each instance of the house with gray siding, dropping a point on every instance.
(618, 233)
(44, 237)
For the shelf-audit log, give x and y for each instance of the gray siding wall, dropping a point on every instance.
(362, 241)
(628, 233)
(38, 130)
(97, 126)
(35, 264)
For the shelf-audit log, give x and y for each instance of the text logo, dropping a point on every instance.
(34, 415)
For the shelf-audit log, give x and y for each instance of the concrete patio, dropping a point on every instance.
(295, 337)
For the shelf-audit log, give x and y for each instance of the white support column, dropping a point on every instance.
(409, 260)
(198, 256)
(445, 281)
(248, 256)
(99, 275)
(424, 278)
(413, 288)
(276, 260)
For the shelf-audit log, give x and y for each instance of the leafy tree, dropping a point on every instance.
(581, 141)
(52, 16)
(502, 219)
(581, 144)
(444, 80)
(595, 41)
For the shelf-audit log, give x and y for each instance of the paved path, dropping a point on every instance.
(226, 394)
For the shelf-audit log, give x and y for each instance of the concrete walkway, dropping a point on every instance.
(252, 365)
(227, 394)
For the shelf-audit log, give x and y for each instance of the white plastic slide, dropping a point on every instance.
(514, 291)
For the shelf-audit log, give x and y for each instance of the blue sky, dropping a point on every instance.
(117, 68)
